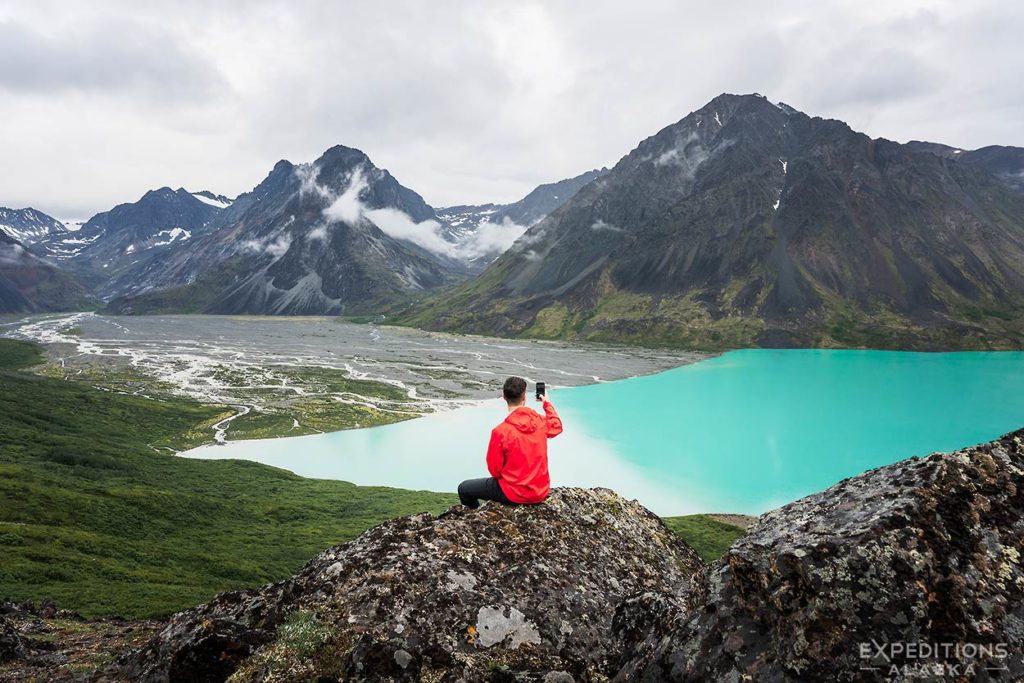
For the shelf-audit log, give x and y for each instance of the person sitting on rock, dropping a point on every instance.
(517, 456)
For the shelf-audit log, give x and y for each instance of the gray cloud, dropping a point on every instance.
(118, 56)
(464, 102)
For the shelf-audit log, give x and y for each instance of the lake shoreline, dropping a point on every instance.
(747, 431)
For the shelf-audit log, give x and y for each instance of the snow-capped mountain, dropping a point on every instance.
(111, 243)
(314, 238)
(29, 225)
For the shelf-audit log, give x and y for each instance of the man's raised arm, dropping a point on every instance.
(551, 417)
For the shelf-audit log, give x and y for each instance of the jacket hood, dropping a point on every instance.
(525, 419)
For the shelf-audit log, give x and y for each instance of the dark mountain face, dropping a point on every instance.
(29, 284)
(111, 245)
(29, 226)
(1005, 163)
(528, 211)
(317, 238)
(544, 199)
(751, 223)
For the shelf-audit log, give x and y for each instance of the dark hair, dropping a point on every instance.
(514, 389)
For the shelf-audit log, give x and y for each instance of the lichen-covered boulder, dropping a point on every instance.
(500, 593)
(907, 572)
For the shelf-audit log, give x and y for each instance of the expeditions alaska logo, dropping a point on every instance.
(908, 660)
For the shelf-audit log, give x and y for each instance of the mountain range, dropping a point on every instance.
(28, 226)
(751, 223)
(745, 223)
(324, 238)
(464, 220)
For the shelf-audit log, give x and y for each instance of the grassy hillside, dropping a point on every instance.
(708, 536)
(97, 515)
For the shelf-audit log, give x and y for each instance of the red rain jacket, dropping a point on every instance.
(518, 453)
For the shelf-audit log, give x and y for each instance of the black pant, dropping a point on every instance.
(472, 491)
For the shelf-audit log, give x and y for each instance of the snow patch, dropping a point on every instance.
(220, 204)
(173, 235)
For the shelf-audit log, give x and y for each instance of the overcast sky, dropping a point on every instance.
(464, 102)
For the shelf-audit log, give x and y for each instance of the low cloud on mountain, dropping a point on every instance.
(490, 239)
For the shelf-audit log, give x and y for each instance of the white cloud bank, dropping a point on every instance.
(489, 239)
(492, 239)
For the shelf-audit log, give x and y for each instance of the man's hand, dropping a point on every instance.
(544, 397)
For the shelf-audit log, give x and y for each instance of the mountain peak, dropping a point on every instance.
(748, 210)
(340, 154)
(29, 225)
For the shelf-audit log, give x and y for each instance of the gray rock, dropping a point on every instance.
(925, 551)
(500, 593)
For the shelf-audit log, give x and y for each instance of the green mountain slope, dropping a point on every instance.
(751, 224)
(96, 514)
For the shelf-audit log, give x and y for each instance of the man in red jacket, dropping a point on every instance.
(517, 456)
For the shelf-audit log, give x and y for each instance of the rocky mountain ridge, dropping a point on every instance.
(306, 240)
(29, 225)
(749, 223)
(322, 238)
(113, 244)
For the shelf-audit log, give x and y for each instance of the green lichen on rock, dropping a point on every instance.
(425, 598)
(922, 551)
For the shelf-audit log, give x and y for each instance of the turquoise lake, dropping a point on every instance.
(743, 432)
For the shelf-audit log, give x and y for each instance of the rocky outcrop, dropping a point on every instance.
(501, 593)
(915, 566)
(44, 643)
